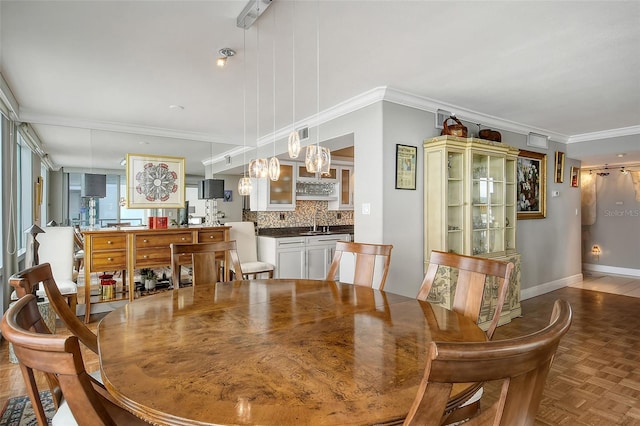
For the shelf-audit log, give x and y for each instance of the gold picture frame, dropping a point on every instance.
(559, 167)
(155, 182)
(575, 176)
(532, 185)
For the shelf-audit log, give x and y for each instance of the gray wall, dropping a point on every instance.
(550, 247)
(617, 226)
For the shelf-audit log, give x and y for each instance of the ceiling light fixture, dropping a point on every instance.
(244, 184)
(318, 158)
(258, 168)
(225, 53)
(293, 145)
(251, 13)
(274, 163)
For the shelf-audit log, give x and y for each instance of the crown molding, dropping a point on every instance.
(605, 134)
(7, 98)
(51, 120)
(345, 107)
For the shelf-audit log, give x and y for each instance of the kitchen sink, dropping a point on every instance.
(311, 233)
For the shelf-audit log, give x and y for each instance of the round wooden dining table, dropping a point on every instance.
(272, 352)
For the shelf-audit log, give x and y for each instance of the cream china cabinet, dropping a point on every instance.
(470, 209)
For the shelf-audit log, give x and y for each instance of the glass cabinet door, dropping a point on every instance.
(455, 202)
(487, 201)
(282, 190)
(510, 206)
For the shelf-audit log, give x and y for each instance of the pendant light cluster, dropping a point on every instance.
(293, 145)
(261, 167)
(318, 158)
(244, 184)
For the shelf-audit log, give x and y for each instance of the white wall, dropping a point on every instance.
(617, 226)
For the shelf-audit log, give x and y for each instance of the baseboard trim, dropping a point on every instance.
(615, 270)
(541, 289)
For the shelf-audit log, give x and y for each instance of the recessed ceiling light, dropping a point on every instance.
(123, 162)
(143, 143)
(621, 155)
(176, 107)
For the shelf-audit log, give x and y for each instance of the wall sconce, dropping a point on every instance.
(596, 251)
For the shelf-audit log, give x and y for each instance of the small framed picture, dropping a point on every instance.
(228, 195)
(532, 183)
(406, 156)
(575, 177)
(559, 169)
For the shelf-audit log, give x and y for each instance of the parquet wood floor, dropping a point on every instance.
(595, 379)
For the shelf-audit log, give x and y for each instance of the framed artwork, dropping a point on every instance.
(228, 195)
(532, 185)
(155, 182)
(406, 156)
(559, 167)
(575, 176)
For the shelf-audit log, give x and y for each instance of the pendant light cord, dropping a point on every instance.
(244, 104)
(318, 74)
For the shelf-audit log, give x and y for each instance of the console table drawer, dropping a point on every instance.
(162, 240)
(210, 236)
(153, 256)
(109, 260)
(108, 242)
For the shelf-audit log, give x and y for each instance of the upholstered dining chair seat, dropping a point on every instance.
(254, 267)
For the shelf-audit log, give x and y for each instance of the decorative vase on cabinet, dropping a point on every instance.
(469, 209)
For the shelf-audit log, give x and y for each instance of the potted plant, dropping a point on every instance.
(148, 278)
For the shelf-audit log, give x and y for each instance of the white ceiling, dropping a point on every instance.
(96, 78)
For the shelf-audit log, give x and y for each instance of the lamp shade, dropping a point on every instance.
(211, 189)
(94, 185)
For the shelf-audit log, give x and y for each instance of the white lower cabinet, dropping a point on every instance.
(299, 257)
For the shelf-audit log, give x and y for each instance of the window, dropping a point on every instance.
(44, 173)
(25, 192)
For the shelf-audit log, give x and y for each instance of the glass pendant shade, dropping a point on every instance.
(325, 156)
(294, 144)
(259, 168)
(311, 158)
(244, 186)
(274, 169)
(318, 159)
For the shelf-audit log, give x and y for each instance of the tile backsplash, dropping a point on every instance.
(301, 217)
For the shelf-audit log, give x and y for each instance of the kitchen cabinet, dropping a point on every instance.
(469, 208)
(345, 189)
(320, 250)
(268, 195)
(299, 257)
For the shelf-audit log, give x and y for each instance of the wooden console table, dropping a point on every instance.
(128, 249)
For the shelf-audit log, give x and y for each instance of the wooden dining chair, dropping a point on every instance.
(470, 287)
(81, 400)
(364, 261)
(204, 258)
(521, 363)
(25, 282)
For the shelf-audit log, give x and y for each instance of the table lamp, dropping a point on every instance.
(94, 186)
(211, 190)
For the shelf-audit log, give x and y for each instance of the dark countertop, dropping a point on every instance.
(303, 231)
